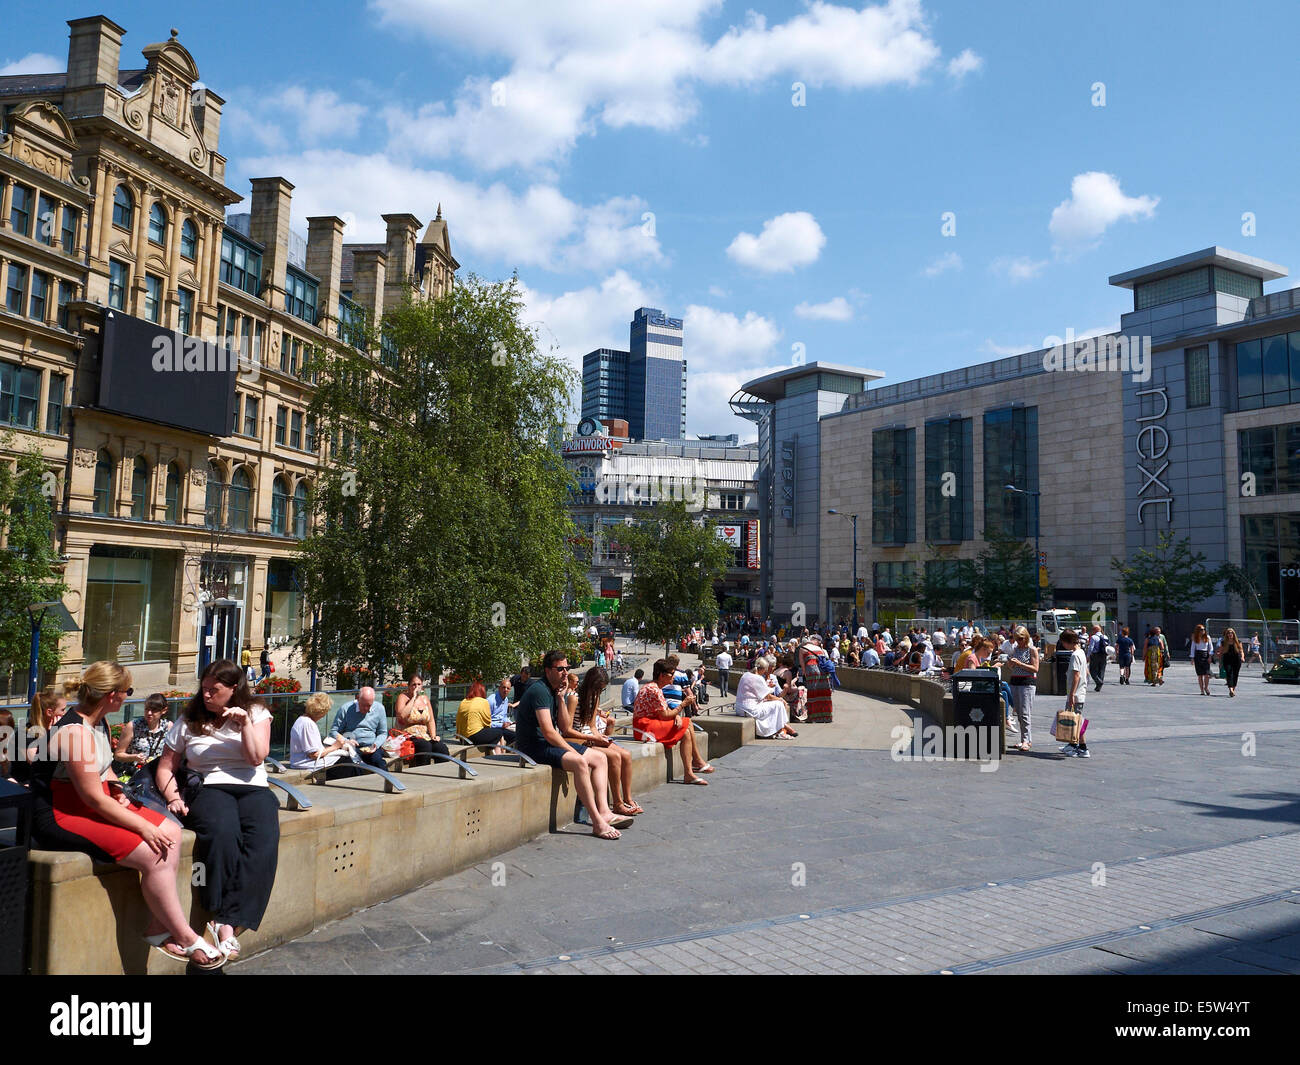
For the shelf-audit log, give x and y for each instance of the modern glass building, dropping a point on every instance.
(656, 377)
(604, 384)
(1185, 420)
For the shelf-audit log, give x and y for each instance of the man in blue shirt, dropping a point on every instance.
(630, 688)
(499, 704)
(363, 720)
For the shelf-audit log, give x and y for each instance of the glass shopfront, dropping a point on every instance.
(284, 602)
(130, 594)
(1271, 546)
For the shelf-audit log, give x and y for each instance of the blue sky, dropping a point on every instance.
(650, 152)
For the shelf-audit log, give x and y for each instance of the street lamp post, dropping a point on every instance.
(1038, 584)
(854, 518)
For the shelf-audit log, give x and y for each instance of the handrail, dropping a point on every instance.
(524, 761)
(294, 799)
(391, 783)
(436, 756)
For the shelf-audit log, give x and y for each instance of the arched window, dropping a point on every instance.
(189, 240)
(173, 494)
(213, 502)
(241, 491)
(139, 488)
(300, 503)
(103, 484)
(123, 207)
(157, 224)
(279, 506)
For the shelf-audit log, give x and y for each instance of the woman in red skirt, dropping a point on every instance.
(89, 803)
(651, 719)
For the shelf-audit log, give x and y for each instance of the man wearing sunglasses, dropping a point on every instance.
(537, 736)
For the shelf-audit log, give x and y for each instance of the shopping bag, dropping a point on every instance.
(1066, 727)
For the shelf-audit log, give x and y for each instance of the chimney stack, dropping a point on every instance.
(94, 51)
(402, 234)
(325, 261)
(268, 224)
(207, 106)
(369, 267)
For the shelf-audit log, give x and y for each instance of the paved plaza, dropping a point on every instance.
(1174, 849)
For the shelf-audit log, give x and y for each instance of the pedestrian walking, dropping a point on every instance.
(1155, 656)
(723, 662)
(1097, 645)
(1231, 654)
(1202, 651)
(1124, 648)
(1076, 691)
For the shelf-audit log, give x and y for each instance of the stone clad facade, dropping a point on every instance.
(178, 544)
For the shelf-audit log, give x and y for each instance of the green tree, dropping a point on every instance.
(1006, 577)
(944, 584)
(1169, 578)
(675, 562)
(28, 572)
(439, 531)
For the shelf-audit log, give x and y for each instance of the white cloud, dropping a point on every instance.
(829, 45)
(949, 260)
(718, 293)
(708, 396)
(571, 66)
(538, 226)
(966, 63)
(294, 114)
(1096, 202)
(788, 240)
(1021, 268)
(711, 335)
(596, 316)
(1001, 351)
(833, 310)
(32, 63)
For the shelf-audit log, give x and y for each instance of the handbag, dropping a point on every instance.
(142, 788)
(1065, 729)
(399, 745)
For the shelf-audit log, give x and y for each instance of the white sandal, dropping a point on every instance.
(229, 948)
(215, 958)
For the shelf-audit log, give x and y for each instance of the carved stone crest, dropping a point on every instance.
(84, 458)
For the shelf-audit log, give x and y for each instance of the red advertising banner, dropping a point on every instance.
(751, 544)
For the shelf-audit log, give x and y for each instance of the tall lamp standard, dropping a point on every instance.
(1038, 584)
(854, 519)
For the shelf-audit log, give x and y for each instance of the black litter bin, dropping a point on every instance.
(977, 709)
(1061, 666)
(15, 842)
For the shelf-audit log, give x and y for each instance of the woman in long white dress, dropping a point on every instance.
(754, 698)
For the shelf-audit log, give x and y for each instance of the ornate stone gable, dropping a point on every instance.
(160, 110)
(41, 137)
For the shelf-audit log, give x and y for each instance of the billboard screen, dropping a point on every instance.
(161, 375)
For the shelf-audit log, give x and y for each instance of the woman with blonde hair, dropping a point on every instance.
(1023, 663)
(306, 748)
(1202, 652)
(88, 803)
(1231, 655)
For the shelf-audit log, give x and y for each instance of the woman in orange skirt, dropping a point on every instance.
(89, 803)
(651, 719)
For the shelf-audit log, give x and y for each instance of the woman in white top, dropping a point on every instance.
(306, 749)
(225, 736)
(754, 698)
(1202, 654)
(88, 803)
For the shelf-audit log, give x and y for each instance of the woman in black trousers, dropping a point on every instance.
(224, 736)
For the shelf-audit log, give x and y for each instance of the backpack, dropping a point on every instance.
(1102, 644)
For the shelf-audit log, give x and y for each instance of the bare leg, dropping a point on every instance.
(599, 764)
(690, 756)
(158, 886)
(625, 774)
(576, 764)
